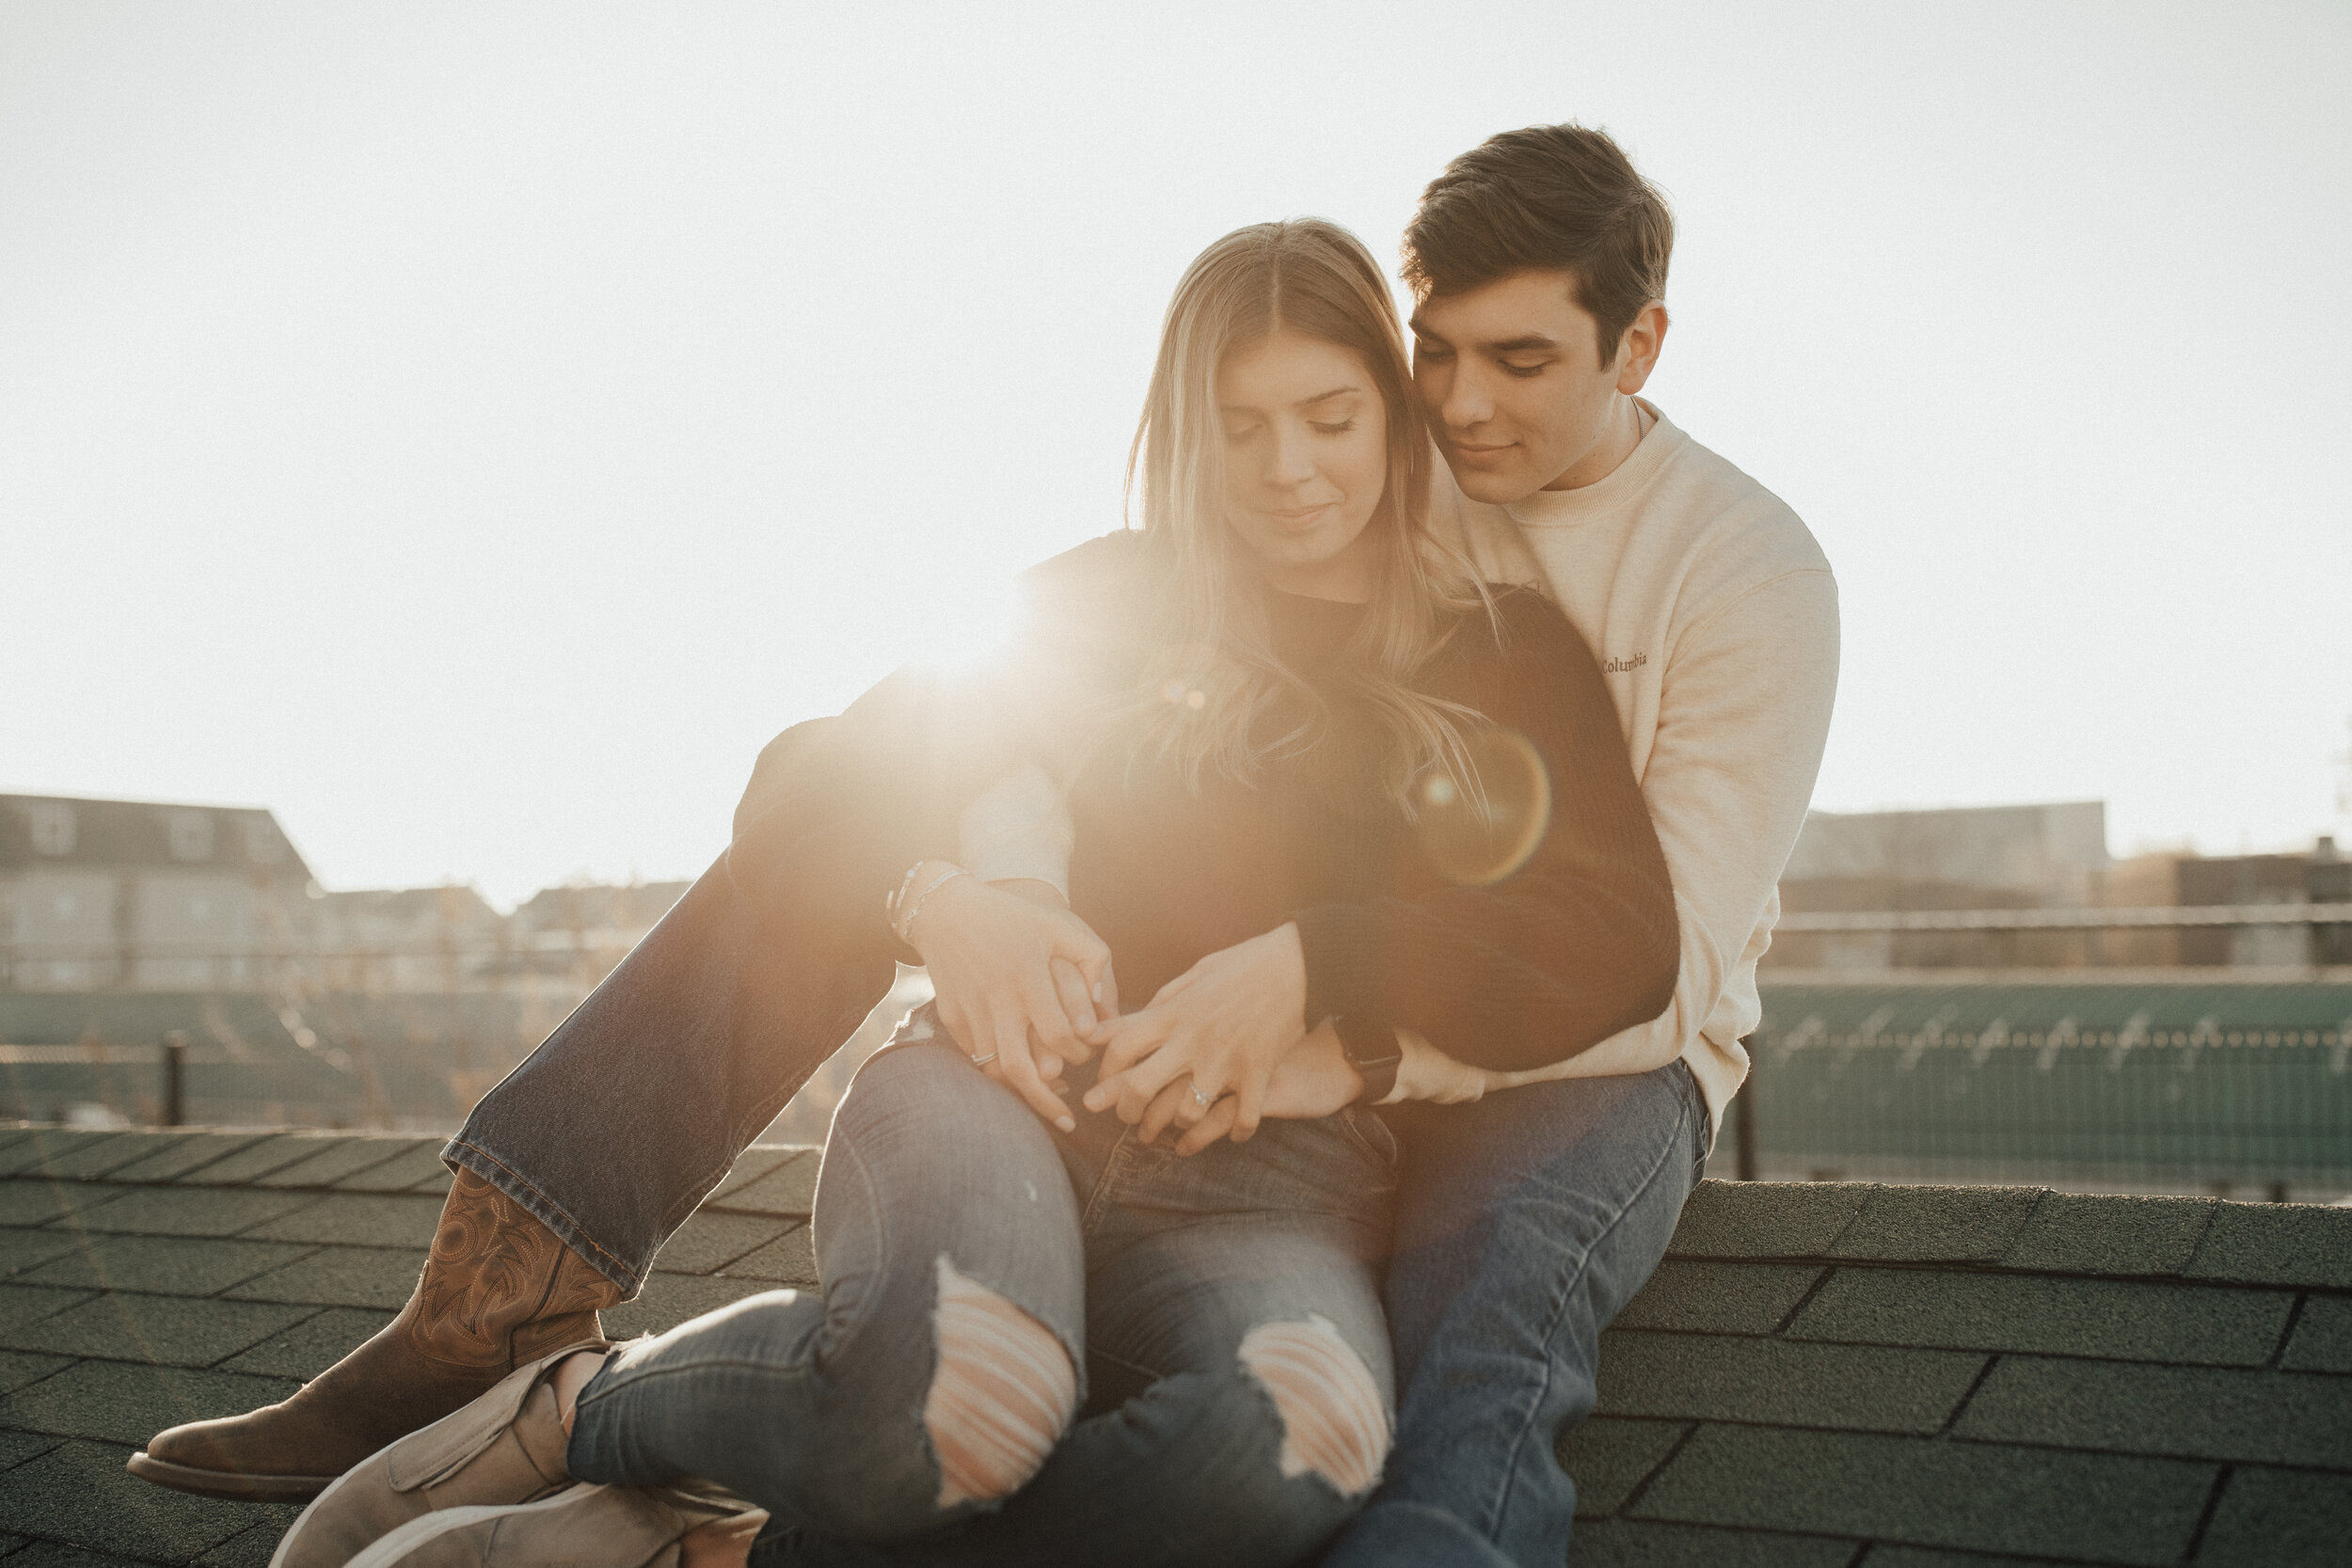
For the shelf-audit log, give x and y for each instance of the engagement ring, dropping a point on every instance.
(1203, 1101)
(983, 1061)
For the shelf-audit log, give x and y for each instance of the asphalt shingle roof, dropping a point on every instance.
(1975, 1376)
(1835, 1374)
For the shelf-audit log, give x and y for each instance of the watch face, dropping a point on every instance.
(1380, 1081)
(1368, 1045)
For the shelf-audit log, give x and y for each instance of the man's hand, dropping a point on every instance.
(1022, 984)
(1315, 1078)
(1216, 1029)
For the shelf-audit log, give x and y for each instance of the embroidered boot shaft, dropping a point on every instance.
(498, 1290)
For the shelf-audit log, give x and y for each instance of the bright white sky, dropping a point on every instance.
(471, 429)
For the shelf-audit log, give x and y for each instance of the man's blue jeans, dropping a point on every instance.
(1524, 1223)
(1524, 1220)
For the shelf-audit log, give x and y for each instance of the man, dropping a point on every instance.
(1538, 267)
(1526, 1218)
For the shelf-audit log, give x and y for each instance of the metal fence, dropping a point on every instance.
(2170, 1078)
(2171, 1083)
(414, 1061)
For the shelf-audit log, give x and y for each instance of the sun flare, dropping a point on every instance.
(963, 628)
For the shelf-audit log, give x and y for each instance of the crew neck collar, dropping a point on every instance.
(1283, 602)
(1564, 508)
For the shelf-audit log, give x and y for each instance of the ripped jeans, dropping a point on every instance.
(1037, 1348)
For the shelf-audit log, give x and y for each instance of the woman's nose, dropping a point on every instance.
(1292, 460)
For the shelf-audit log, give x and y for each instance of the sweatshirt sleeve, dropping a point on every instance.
(1577, 945)
(1743, 717)
(1743, 722)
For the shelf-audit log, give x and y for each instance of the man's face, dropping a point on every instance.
(1516, 386)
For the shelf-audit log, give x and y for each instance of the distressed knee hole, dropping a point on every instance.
(1333, 1422)
(1001, 1397)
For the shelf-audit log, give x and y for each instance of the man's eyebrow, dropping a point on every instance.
(1528, 343)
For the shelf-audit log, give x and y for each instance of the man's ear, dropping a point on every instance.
(1637, 353)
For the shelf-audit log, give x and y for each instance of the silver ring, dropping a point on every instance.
(1203, 1101)
(983, 1061)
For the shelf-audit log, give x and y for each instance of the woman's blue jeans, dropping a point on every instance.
(1149, 1270)
(1525, 1220)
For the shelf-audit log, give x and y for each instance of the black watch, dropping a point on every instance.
(1371, 1048)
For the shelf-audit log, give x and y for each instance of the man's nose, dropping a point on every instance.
(1467, 402)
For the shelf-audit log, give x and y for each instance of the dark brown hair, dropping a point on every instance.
(1550, 197)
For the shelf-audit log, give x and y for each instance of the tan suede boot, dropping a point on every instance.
(499, 1292)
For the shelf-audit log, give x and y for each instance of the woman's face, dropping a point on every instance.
(1306, 461)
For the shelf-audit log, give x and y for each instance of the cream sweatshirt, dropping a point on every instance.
(1714, 616)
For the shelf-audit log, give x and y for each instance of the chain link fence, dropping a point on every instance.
(2184, 1084)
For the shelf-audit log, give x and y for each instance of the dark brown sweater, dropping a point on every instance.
(1577, 943)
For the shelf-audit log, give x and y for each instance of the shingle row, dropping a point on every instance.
(2023, 1229)
(1932, 1378)
(346, 1162)
(772, 1180)
(150, 1279)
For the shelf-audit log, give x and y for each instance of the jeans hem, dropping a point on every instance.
(460, 1155)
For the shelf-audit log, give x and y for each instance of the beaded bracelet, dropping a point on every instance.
(902, 920)
(897, 895)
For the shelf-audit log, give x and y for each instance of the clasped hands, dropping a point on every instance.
(1025, 989)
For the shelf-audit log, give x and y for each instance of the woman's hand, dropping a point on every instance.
(1219, 1028)
(1315, 1078)
(1011, 968)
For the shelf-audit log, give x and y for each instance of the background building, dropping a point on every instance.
(407, 939)
(2054, 853)
(1959, 858)
(1976, 994)
(133, 896)
(123, 923)
(1986, 995)
(1848, 868)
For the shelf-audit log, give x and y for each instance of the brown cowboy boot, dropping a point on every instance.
(499, 1292)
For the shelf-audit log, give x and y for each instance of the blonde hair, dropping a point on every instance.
(1216, 677)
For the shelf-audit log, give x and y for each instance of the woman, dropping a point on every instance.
(1286, 721)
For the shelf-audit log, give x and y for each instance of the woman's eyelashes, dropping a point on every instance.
(1237, 437)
